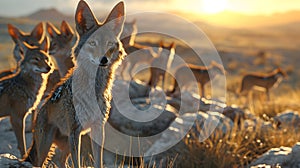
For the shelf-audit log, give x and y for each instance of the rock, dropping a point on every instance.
(288, 119)
(137, 112)
(224, 123)
(212, 105)
(211, 123)
(189, 103)
(130, 89)
(235, 114)
(256, 124)
(265, 166)
(142, 116)
(8, 160)
(283, 156)
(139, 128)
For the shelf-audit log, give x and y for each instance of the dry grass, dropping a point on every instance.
(237, 149)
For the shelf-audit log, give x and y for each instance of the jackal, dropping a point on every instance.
(263, 81)
(19, 93)
(129, 33)
(161, 64)
(61, 46)
(202, 75)
(136, 54)
(82, 102)
(34, 39)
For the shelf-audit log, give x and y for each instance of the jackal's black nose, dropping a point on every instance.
(104, 60)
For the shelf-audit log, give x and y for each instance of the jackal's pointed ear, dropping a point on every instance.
(84, 18)
(45, 45)
(116, 18)
(14, 33)
(38, 31)
(172, 45)
(52, 31)
(66, 30)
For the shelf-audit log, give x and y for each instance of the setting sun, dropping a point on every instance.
(209, 6)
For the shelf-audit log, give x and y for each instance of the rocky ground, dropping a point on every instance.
(171, 119)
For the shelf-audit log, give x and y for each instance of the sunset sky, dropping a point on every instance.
(24, 7)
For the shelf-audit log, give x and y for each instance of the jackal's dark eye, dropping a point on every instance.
(37, 58)
(92, 43)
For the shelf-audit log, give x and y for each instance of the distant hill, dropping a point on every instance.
(52, 15)
(293, 27)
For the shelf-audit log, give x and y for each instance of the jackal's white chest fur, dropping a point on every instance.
(87, 107)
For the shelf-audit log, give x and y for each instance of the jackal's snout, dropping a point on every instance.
(44, 68)
(104, 61)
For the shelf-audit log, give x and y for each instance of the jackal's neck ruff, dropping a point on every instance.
(30, 80)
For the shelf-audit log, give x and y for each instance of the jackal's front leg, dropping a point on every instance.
(202, 90)
(18, 128)
(97, 138)
(163, 82)
(268, 94)
(75, 143)
(43, 137)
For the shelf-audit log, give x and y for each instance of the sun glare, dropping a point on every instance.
(213, 6)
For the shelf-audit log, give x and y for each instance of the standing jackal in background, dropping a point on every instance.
(202, 74)
(61, 46)
(161, 64)
(82, 102)
(136, 54)
(262, 81)
(19, 93)
(35, 38)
